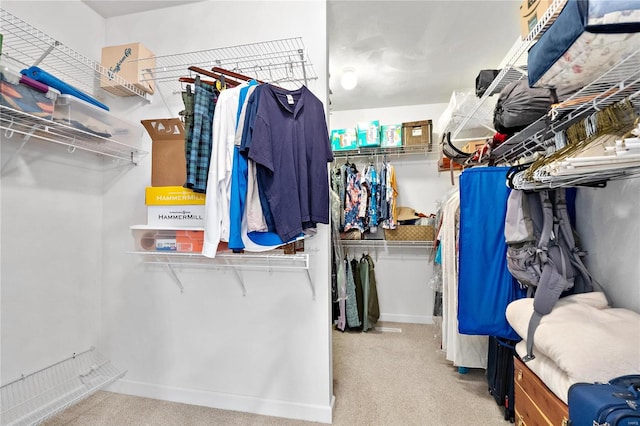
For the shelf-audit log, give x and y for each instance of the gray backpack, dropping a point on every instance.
(542, 253)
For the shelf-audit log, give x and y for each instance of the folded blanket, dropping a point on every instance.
(52, 81)
(583, 336)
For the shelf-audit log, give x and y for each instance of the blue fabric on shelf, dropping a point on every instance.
(64, 88)
(485, 286)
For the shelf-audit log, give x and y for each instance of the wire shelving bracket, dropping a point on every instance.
(270, 261)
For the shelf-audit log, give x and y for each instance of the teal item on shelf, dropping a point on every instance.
(369, 134)
(343, 139)
(391, 135)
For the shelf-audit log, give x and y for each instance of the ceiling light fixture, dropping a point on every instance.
(349, 79)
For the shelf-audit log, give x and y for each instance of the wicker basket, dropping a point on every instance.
(410, 233)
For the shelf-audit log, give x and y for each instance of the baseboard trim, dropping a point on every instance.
(224, 401)
(412, 319)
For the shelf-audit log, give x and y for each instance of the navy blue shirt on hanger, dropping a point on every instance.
(291, 148)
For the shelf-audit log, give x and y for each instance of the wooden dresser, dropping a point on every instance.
(535, 404)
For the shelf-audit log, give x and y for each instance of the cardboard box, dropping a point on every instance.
(391, 135)
(168, 163)
(368, 134)
(531, 12)
(172, 196)
(178, 216)
(133, 62)
(445, 164)
(417, 133)
(343, 139)
(473, 146)
(189, 241)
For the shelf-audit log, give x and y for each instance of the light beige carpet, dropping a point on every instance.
(380, 378)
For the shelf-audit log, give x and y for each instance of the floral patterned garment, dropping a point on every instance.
(352, 219)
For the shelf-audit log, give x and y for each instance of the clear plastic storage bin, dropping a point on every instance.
(83, 116)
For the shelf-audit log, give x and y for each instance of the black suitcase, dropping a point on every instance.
(500, 374)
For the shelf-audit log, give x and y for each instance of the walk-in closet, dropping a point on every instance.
(295, 212)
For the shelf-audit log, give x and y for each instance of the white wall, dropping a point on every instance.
(609, 227)
(403, 274)
(268, 352)
(51, 226)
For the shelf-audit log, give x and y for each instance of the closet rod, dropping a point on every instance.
(234, 74)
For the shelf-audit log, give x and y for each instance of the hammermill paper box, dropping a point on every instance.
(132, 62)
(172, 196)
(177, 216)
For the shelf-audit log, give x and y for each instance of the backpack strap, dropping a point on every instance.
(551, 283)
(547, 225)
(567, 233)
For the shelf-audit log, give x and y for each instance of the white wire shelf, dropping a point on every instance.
(38, 396)
(13, 122)
(387, 243)
(251, 261)
(622, 81)
(30, 46)
(270, 261)
(514, 69)
(282, 62)
(424, 149)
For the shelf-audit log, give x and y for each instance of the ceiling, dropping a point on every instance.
(403, 52)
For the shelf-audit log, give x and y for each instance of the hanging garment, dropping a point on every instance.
(357, 279)
(461, 349)
(485, 285)
(391, 221)
(373, 310)
(342, 296)
(352, 218)
(383, 206)
(337, 185)
(198, 148)
(239, 177)
(341, 277)
(371, 177)
(335, 308)
(351, 306)
(364, 278)
(291, 147)
(187, 117)
(217, 202)
(259, 217)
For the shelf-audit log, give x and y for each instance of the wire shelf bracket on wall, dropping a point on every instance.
(31, 47)
(282, 62)
(38, 396)
(236, 262)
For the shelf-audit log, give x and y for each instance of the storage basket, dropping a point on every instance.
(417, 133)
(410, 233)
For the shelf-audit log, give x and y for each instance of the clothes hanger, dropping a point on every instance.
(235, 75)
(193, 80)
(227, 81)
